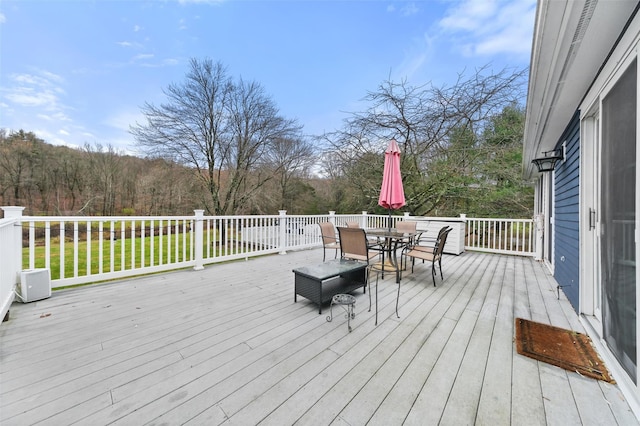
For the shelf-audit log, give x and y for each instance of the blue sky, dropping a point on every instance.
(77, 72)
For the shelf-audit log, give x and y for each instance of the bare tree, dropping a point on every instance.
(219, 128)
(426, 121)
(73, 180)
(290, 158)
(15, 163)
(106, 167)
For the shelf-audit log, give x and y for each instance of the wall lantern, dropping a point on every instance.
(548, 162)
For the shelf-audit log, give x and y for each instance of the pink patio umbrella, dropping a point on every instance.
(391, 192)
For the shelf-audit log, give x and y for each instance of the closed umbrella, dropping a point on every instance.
(391, 192)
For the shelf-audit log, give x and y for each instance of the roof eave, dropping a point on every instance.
(571, 41)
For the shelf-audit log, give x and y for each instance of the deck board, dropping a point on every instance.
(228, 345)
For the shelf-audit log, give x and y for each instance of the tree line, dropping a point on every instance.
(221, 144)
(102, 180)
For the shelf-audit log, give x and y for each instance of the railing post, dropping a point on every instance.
(465, 231)
(539, 234)
(332, 217)
(363, 220)
(198, 224)
(283, 230)
(11, 252)
(13, 212)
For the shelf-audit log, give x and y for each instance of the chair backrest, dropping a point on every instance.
(353, 244)
(328, 232)
(353, 225)
(427, 241)
(442, 240)
(443, 229)
(406, 226)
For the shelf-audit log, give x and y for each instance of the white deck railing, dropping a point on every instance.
(79, 250)
(506, 236)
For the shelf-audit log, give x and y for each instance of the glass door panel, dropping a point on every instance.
(618, 198)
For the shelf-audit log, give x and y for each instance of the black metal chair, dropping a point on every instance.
(431, 254)
(329, 239)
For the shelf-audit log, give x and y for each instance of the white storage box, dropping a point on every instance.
(35, 284)
(431, 226)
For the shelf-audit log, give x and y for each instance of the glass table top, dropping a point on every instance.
(330, 268)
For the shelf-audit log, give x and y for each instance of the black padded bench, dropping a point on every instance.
(319, 283)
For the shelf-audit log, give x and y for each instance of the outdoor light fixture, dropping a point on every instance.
(548, 162)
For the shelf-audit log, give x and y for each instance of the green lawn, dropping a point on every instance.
(118, 258)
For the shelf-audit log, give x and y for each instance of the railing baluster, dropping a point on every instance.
(132, 232)
(207, 239)
(143, 226)
(152, 243)
(160, 241)
(32, 244)
(100, 247)
(112, 246)
(47, 245)
(176, 239)
(62, 256)
(75, 248)
(123, 239)
(88, 266)
(184, 240)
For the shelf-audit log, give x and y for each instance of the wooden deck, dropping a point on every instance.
(227, 345)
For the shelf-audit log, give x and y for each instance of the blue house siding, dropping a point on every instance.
(566, 216)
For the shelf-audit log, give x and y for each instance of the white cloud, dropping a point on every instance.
(3, 18)
(147, 60)
(143, 56)
(486, 30)
(413, 63)
(131, 44)
(51, 77)
(56, 117)
(44, 80)
(36, 90)
(409, 9)
(28, 96)
(469, 15)
(35, 101)
(54, 138)
(490, 27)
(417, 55)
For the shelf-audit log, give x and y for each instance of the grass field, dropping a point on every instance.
(156, 252)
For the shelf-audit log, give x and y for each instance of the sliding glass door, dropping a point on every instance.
(618, 207)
